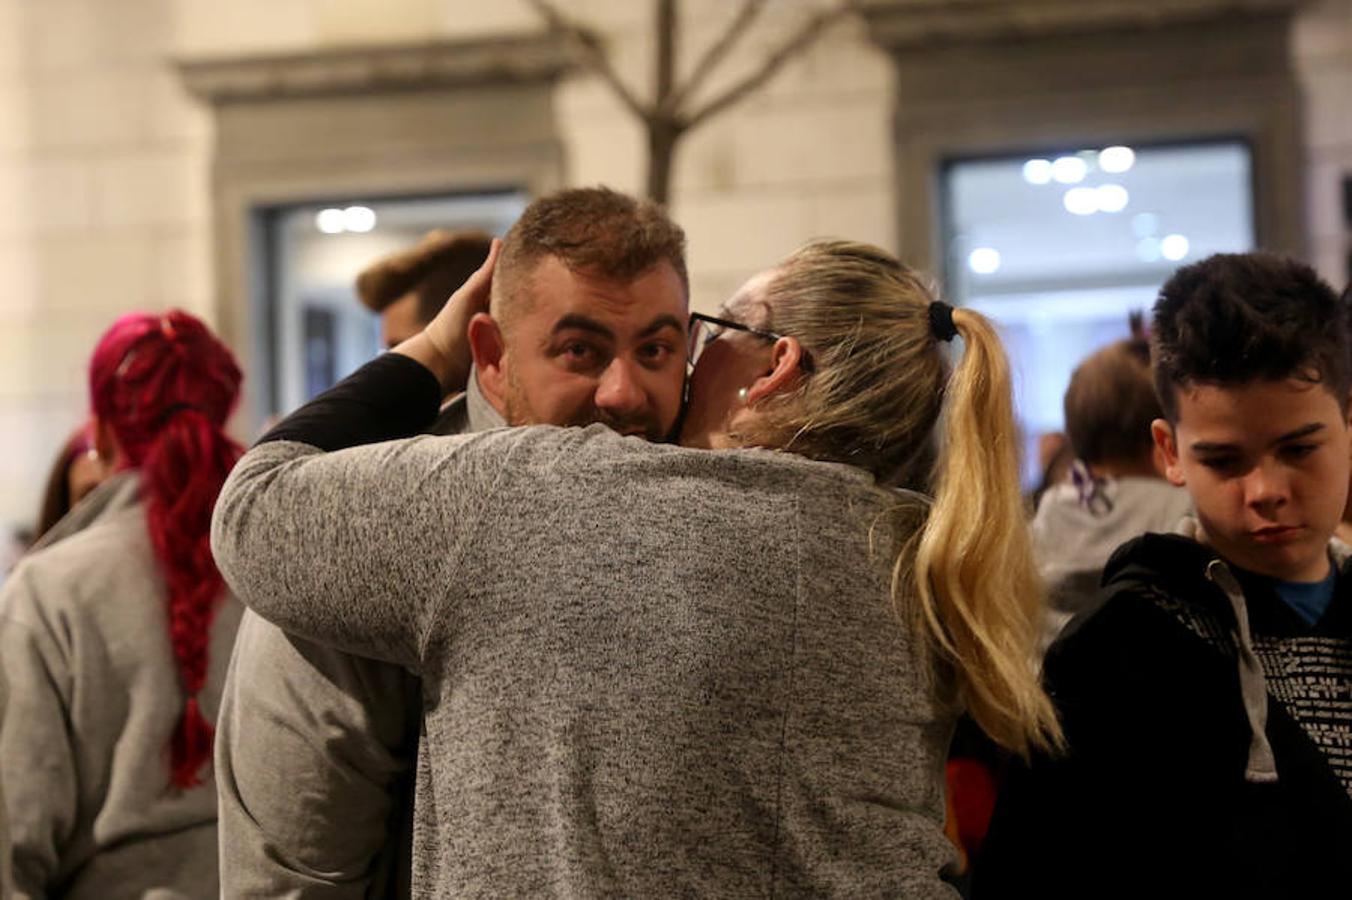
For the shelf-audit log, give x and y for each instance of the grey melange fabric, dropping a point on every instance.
(4, 813)
(94, 697)
(1073, 543)
(647, 671)
(314, 759)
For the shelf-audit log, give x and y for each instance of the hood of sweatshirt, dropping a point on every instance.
(1073, 536)
(1193, 575)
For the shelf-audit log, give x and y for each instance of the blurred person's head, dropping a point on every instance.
(588, 316)
(161, 389)
(1109, 407)
(409, 288)
(838, 354)
(1252, 368)
(77, 470)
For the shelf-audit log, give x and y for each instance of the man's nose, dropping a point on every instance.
(1266, 486)
(619, 391)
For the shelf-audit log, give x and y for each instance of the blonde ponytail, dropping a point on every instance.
(976, 583)
(966, 578)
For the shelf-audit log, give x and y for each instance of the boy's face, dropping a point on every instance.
(1267, 466)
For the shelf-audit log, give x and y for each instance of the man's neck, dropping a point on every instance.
(1123, 469)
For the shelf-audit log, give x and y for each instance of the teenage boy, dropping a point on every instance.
(1207, 697)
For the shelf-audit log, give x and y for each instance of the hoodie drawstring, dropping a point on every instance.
(1262, 766)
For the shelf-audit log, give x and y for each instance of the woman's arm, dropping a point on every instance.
(349, 548)
(355, 548)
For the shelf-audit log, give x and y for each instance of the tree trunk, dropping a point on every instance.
(663, 133)
(660, 123)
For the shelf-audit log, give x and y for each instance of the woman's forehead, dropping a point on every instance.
(750, 305)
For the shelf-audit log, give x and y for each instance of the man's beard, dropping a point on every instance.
(520, 412)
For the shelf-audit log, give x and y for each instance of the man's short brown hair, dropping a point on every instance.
(596, 231)
(435, 268)
(1110, 404)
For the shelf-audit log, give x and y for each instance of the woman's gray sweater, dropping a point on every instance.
(94, 696)
(648, 671)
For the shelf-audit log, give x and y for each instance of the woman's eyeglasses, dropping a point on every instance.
(704, 330)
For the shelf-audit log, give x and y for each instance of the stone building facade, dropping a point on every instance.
(134, 133)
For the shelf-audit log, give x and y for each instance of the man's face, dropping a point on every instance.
(399, 321)
(587, 349)
(1267, 466)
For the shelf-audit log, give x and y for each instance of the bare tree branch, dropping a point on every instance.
(664, 74)
(715, 54)
(591, 53)
(798, 42)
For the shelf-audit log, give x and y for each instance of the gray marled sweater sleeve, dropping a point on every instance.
(358, 549)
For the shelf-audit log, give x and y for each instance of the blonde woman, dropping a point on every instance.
(654, 670)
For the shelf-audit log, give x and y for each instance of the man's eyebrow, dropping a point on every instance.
(1216, 447)
(1213, 447)
(665, 320)
(575, 322)
(1303, 431)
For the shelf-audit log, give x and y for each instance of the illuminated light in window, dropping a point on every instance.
(1112, 198)
(1081, 201)
(1037, 171)
(360, 219)
(1070, 170)
(1116, 159)
(1174, 247)
(984, 260)
(1148, 250)
(330, 221)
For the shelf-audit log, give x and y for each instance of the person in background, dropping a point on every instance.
(1207, 694)
(114, 640)
(409, 288)
(729, 668)
(317, 750)
(4, 813)
(1117, 489)
(77, 470)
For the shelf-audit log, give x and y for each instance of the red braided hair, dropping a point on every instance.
(165, 386)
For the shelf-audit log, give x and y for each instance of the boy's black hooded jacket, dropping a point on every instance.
(1165, 789)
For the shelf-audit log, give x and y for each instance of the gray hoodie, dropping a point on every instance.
(315, 757)
(94, 696)
(1073, 539)
(647, 671)
(4, 813)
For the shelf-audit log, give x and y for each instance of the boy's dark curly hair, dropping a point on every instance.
(1235, 318)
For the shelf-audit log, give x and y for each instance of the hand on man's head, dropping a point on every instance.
(443, 346)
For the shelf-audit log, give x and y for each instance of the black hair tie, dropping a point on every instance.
(941, 321)
(174, 409)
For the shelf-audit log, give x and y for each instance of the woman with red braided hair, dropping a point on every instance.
(115, 640)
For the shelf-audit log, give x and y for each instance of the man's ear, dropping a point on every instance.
(785, 371)
(489, 351)
(1166, 446)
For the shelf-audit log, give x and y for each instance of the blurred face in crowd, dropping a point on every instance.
(581, 348)
(400, 321)
(1267, 465)
(85, 473)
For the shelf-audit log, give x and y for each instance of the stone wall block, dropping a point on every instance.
(159, 188)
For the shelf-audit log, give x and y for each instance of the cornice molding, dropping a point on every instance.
(915, 24)
(513, 59)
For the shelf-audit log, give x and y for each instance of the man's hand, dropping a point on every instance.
(443, 346)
